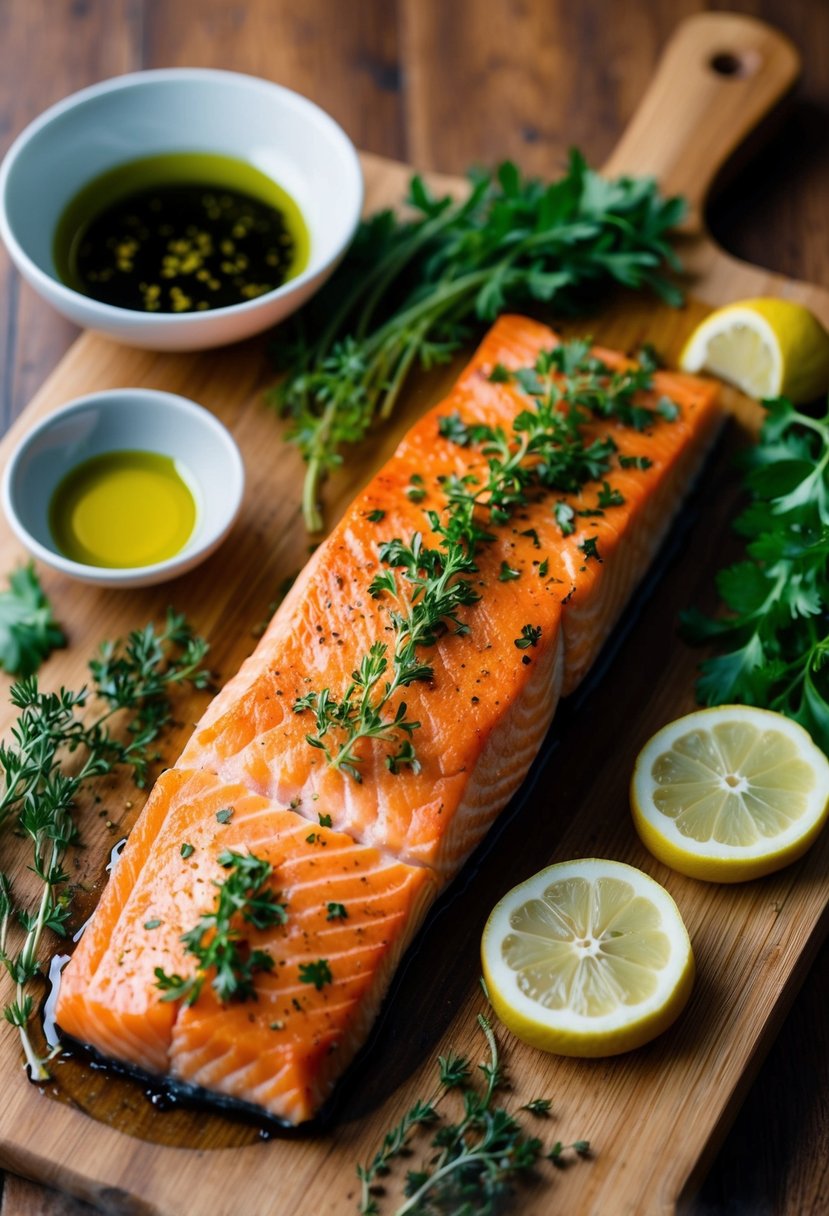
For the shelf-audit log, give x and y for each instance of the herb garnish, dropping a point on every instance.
(337, 912)
(187, 850)
(317, 973)
(545, 450)
(224, 815)
(407, 291)
(39, 792)
(28, 630)
(530, 635)
(217, 942)
(774, 638)
(477, 1161)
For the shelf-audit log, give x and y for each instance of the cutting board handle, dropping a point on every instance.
(717, 78)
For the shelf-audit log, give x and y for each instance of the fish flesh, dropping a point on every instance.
(383, 847)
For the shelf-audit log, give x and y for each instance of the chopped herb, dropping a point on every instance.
(556, 1153)
(506, 574)
(375, 516)
(325, 820)
(590, 547)
(225, 814)
(337, 912)
(217, 942)
(415, 491)
(635, 462)
(668, 409)
(499, 374)
(317, 973)
(311, 838)
(533, 535)
(187, 850)
(538, 1106)
(152, 924)
(530, 635)
(564, 516)
(543, 567)
(610, 497)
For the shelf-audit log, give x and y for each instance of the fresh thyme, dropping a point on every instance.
(217, 941)
(545, 450)
(53, 753)
(476, 1162)
(409, 292)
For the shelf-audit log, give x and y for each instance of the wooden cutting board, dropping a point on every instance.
(655, 1117)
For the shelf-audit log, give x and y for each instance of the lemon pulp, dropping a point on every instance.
(123, 509)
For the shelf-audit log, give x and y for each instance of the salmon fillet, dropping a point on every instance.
(395, 838)
(284, 1050)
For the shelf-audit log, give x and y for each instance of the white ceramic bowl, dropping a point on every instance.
(118, 420)
(282, 134)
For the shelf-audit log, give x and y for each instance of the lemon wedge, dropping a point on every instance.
(766, 347)
(729, 794)
(587, 958)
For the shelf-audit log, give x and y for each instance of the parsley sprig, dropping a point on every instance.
(54, 751)
(476, 1161)
(28, 630)
(775, 636)
(409, 291)
(217, 941)
(425, 587)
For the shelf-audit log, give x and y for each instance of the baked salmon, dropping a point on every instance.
(392, 839)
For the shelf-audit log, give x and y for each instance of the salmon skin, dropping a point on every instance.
(380, 849)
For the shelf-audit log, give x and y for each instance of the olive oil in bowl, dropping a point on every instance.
(180, 232)
(123, 509)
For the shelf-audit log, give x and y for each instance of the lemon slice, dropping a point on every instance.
(767, 347)
(729, 794)
(587, 958)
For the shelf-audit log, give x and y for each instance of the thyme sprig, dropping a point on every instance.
(545, 450)
(217, 941)
(475, 1162)
(409, 292)
(54, 752)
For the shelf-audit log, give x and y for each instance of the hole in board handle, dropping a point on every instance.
(734, 66)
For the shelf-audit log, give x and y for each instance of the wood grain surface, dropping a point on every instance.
(448, 85)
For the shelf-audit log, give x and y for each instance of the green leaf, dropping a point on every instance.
(28, 630)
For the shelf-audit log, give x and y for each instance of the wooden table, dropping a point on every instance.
(445, 86)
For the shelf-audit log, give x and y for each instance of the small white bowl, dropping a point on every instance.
(282, 134)
(118, 420)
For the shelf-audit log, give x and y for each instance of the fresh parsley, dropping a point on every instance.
(409, 290)
(28, 630)
(773, 638)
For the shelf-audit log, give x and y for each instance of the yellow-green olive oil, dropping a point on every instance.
(180, 232)
(123, 509)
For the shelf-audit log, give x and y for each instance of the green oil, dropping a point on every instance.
(180, 232)
(123, 509)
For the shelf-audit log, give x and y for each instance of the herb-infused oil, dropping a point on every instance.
(180, 232)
